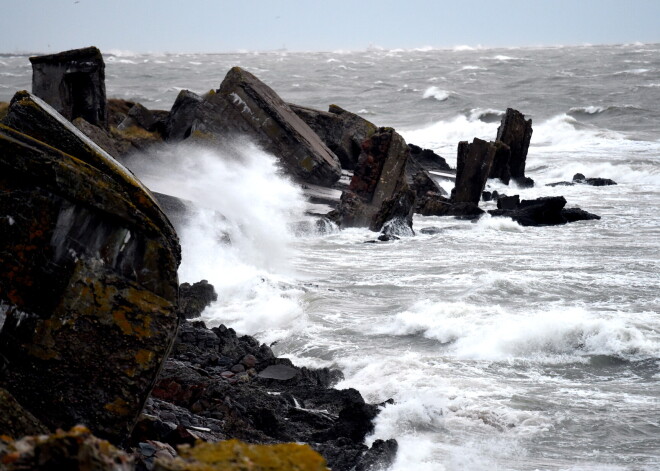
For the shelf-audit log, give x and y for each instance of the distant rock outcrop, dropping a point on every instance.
(72, 82)
(245, 106)
(544, 211)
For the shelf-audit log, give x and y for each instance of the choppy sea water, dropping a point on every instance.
(503, 347)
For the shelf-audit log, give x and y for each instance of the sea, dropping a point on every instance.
(502, 347)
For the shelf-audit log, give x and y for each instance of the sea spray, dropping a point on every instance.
(237, 233)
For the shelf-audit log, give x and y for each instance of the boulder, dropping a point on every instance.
(233, 455)
(597, 181)
(15, 421)
(193, 299)
(106, 141)
(508, 202)
(76, 449)
(72, 82)
(544, 211)
(378, 188)
(88, 280)
(472, 169)
(577, 214)
(429, 160)
(515, 132)
(151, 121)
(342, 131)
(179, 123)
(245, 106)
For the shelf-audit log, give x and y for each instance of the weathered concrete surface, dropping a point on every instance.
(342, 131)
(88, 279)
(245, 106)
(72, 82)
(472, 168)
(30, 115)
(515, 132)
(379, 180)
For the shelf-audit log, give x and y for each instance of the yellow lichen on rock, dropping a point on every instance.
(233, 455)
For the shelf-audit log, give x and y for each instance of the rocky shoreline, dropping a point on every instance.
(90, 302)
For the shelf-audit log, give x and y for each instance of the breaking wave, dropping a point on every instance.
(437, 93)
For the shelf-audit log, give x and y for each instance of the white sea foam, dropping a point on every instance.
(437, 93)
(239, 237)
(588, 109)
(543, 336)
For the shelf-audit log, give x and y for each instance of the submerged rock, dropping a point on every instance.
(72, 82)
(245, 106)
(580, 179)
(378, 191)
(88, 276)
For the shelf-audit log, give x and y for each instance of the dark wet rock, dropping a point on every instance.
(577, 214)
(88, 270)
(380, 456)
(430, 230)
(524, 182)
(193, 299)
(545, 211)
(76, 449)
(151, 121)
(118, 111)
(147, 452)
(428, 159)
(342, 131)
(378, 191)
(508, 202)
(73, 83)
(500, 167)
(273, 401)
(245, 106)
(181, 116)
(15, 421)
(579, 178)
(106, 141)
(490, 196)
(472, 169)
(516, 133)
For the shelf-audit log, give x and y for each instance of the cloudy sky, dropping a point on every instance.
(45, 26)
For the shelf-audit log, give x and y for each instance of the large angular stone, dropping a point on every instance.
(472, 168)
(182, 114)
(342, 131)
(30, 115)
(500, 168)
(378, 182)
(515, 132)
(72, 82)
(245, 106)
(88, 285)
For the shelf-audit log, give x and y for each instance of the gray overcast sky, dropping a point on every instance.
(298, 25)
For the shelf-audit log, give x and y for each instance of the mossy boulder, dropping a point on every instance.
(244, 106)
(233, 455)
(88, 285)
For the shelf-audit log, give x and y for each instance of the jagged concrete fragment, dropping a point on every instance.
(182, 114)
(72, 82)
(500, 168)
(516, 132)
(342, 131)
(472, 168)
(88, 280)
(378, 183)
(245, 106)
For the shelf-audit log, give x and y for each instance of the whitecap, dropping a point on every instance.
(437, 93)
